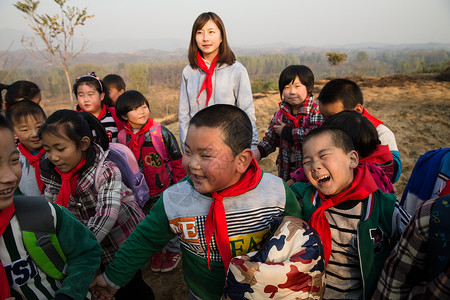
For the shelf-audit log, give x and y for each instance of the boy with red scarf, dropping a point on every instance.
(343, 94)
(357, 223)
(223, 209)
(298, 115)
(27, 117)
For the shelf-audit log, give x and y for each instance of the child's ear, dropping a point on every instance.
(359, 108)
(243, 160)
(85, 143)
(102, 96)
(354, 159)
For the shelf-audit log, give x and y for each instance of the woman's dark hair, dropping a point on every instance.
(231, 120)
(128, 101)
(21, 89)
(226, 56)
(362, 132)
(72, 125)
(21, 110)
(94, 81)
(304, 74)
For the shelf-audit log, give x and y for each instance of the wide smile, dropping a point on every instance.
(323, 179)
(5, 193)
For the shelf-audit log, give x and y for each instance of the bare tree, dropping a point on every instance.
(6, 64)
(56, 32)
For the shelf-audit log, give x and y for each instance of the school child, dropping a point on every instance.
(73, 156)
(213, 75)
(19, 90)
(419, 268)
(159, 159)
(226, 196)
(343, 94)
(357, 223)
(22, 275)
(299, 115)
(90, 93)
(114, 86)
(27, 117)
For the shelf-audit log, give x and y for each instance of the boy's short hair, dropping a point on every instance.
(304, 74)
(231, 120)
(128, 101)
(5, 123)
(362, 132)
(339, 137)
(114, 80)
(21, 110)
(343, 90)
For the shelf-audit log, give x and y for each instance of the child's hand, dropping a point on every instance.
(101, 289)
(256, 154)
(290, 182)
(279, 128)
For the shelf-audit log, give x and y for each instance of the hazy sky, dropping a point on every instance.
(297, 22)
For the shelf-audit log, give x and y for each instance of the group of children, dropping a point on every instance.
(336, 167)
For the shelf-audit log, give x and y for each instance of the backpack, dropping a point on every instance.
(124, 158)
(157, 141)
(39, 235)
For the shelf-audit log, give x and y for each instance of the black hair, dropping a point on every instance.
(5, 123)
(339, 137)
(21, 110)
(362, 132)
(343, 90)
(231, 120)
(72, 125)
(114, 80)
(128, 101)
(93, 81)
(304, 74)
(18, 90)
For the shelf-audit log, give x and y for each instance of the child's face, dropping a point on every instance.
(138, 116)
(89, 99)
(208, 40)
(327, 110)
(114, 93)
(26, 131)
(295, 94)
(10, 171)
(62, 152)
(327, 167)
(208, 161)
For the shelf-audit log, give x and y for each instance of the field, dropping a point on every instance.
(416, 108)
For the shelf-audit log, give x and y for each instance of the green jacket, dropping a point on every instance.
(379, 230)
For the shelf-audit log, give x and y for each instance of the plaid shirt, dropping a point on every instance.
(404, 273)
(110, 213)
(290, 142)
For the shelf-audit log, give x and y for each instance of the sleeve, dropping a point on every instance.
(292, 207)
(406, 265)
(400, 220)
(244, 100)
(108, 201)
(174, 153)
(270, 141)
(183, 110)
(82, 252)
(150, 236)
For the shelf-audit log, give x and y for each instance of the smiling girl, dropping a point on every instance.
(90, 94)
(213, 75)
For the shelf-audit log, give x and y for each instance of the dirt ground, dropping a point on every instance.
(416, 108)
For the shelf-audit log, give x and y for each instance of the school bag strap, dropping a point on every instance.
(132, 177)
(158, 143)
(39, 235)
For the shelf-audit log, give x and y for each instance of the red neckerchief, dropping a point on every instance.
(103, 112)
(216, 221)
(362, 186)
(380, 156)
(68, 183)
(207, 83)
(137, 139)
(371, 118)
(34, 160)
(5, 217)
(302, 115)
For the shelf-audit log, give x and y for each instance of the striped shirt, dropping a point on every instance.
(110, 126)
(343, 273)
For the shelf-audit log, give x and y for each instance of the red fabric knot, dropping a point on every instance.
(138, 138)
(68, 183)
(207, 83)
(34, 160)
